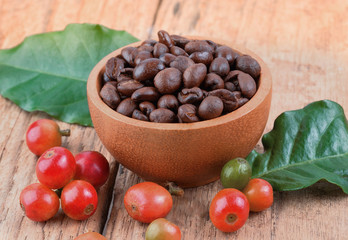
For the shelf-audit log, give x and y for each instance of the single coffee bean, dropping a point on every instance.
(248, 65)
(213, 81)
(146, 48)
(247, 85)
(110, 96)
(165, 38)
(123, 77)
(228, 53)
(168, 101)
(194, 75)
(160, 49)
(126, 88)
(162, 115)
(147, 69)
(181, 63)
(213, 44)
(198, 46)
(139, 115)
(167, 58)
(105, 78)
(168, 80)
(243, 82)
(127, 71)
(242, 101)
(230, 86)
(149, 42)
(187, 113)
(230, 99)
(220, 66)
(126, 107)
(146, 107)
(190, 95)
(145, 94)
(128, 54)
(211, 107)
(179, 40)
(177, 51)
(113, 83)
(113, 67)
(202, 57)
(143, 55)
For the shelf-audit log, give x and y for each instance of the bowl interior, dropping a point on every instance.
(264, 85)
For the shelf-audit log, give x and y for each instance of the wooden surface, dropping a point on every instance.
(304, 43)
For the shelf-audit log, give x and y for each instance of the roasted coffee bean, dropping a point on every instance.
(167, 58)
(181, 63)
(168, 101)
(126, 107)
(177, 51)
(226, 52)
(165, 38)
(230, 86)
(211, 107)
(113, 83)
(247, 85)
(128, 54)
(248, 65)
(126, 88)
(205, 93)
(143, 55)
(190, 95)
(146, 48)
(213, 44)
(149, 42)
(232, 77)
(127, 71)
(146, 107)
(230, 99)
(139, 115)
(202, 57)
(220, 66)
(145, 94)
(168, 80)
(179, 40)
(194, 75)
(105, 78)
(242, 81)
(113, 67)
(110, 96)
(242, 101)
(123, 77)
(198, 46)
(212, 82)
(147, 69)
(187, 113)
(162, 115)
(160, 49)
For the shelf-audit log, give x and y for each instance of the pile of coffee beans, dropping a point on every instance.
(177, 79)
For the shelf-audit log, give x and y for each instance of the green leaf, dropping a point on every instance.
(48, 72)
(305, 146)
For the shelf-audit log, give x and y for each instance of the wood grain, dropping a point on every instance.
(304, 43)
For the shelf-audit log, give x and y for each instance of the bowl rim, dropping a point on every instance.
(265, 87)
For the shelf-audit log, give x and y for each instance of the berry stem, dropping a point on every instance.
(65, 132)
(174, 189)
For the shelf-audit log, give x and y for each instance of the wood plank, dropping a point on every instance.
(17, 163)
(305, 45)
(306, 57)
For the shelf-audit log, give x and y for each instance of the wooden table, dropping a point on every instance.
(304, 43)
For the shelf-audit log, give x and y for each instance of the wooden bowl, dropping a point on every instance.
(189, 154)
